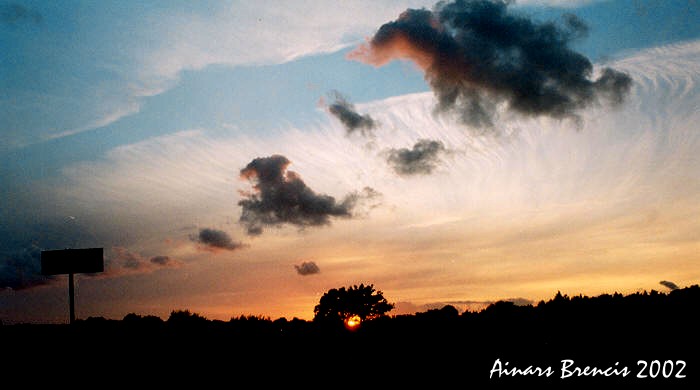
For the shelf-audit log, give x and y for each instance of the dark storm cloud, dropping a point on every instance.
(21, 269)
(422, 159)
(476, 54)
(216, 239)
(345, 111)
(669, 285)
(280, 196)
(307, 268)
(11, 13)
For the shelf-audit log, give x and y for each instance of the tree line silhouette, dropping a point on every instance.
(605, 329)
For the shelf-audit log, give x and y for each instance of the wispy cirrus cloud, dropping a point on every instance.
(127, 55)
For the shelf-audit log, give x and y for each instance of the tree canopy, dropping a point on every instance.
(342, 304)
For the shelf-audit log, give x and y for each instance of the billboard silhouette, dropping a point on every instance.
(72, 261)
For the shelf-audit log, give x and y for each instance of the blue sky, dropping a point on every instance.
(125, 125)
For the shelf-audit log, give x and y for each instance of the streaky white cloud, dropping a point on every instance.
(524, 164)
(119, 56)
(241, 32)
(112, 114)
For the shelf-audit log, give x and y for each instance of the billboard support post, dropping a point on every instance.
(72, 261)
(71, 297)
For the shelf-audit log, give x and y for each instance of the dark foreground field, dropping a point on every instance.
(653, 337)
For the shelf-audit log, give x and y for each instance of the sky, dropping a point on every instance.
(243, 158)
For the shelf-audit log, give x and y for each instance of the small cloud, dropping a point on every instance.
(163, 261)
(307, 268)
(520, 301)
(345, 111)
(422, 159)
(212, 239)
(670, 285)
(130, 260)
(124, 261)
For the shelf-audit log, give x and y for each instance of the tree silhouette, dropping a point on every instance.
(185, 318)
(341, 305)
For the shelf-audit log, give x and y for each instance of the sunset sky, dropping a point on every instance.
(244, 157)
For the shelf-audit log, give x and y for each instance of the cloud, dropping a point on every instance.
(161, 260)
(213, 239)
(280, 196)
(16, 13)
(461, 306)
(670, 285)
(128, 259)
(21, 269)
(477, 55)
(422, 159)
(520, 301)
(401, 308)
(345, 111)
(124, 261)
(307, 268)
(142, 52)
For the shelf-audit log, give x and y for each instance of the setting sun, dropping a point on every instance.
(353, 322)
